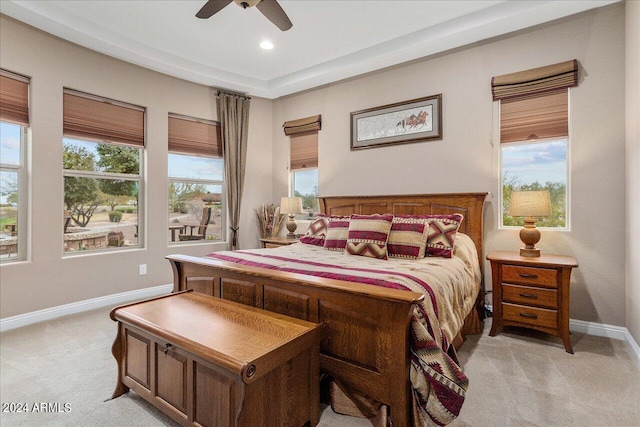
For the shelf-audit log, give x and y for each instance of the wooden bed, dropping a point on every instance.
(366, 328)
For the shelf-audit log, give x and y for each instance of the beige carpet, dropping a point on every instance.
(515, 380)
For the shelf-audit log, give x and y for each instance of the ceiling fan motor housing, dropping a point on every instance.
(246, 3)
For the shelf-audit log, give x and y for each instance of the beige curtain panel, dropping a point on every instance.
(308, 124)
(304, 150)
(192, 136)
(14, 98)
(89, 117)
(233, 113)
(537, 81)
(545, 116)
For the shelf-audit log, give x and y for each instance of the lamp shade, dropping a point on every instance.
(291, 205)
(530, 203)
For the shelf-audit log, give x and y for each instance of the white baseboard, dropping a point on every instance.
(600, 330)
(13, 322)
(603, 330)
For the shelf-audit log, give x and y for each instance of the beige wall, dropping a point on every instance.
(467, 157)
(48, 279)
(632, 56)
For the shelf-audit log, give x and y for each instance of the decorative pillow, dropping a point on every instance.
(337, 233)
(442, 234)
(408, 237)
(368, 235)
(317, 231)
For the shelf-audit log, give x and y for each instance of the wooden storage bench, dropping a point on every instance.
(210, 362)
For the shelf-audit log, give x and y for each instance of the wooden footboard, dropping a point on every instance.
(366, 340)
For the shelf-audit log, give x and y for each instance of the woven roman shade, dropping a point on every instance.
(545, 116)
(535, 82)
(308, 124)
(92, 117)
(14, 98)
(304, 150)
(534, 104)
(194, 136)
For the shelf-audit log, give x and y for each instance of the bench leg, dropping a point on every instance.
(117, 349)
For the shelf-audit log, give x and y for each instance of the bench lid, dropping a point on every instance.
(245, 340)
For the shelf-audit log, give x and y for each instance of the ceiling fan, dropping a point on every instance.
(269, 8)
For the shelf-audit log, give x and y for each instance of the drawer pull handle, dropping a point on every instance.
(530, 296)
(529, 315)
(528, 276)
(166, 348)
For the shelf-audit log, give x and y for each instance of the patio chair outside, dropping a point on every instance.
(202, 228)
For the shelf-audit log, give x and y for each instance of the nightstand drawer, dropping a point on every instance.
(530, 315)
(530, 296)
(546, 277)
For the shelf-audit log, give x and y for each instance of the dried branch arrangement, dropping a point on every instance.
(270, 220)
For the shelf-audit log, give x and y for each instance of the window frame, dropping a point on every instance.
(223, 210)
(292, 172)
(567, 226)
(196, 142)
(139, 177)
(22, 237)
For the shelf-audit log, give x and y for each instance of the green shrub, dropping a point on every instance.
(115, 216)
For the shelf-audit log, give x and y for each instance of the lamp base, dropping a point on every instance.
(529, 253)
(291, 226)
(529, 235)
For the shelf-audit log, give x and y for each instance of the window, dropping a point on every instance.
(14, 122)
(534, 137)
(196, 180)
(538, 165)
(102, 167)
(303, 165)
(304, 184)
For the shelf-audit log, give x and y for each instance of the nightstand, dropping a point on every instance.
(532, 293)
(274, 242)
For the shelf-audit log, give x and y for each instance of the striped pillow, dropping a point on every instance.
(442, 234)
(337, 233)
(408, 237)
(317, 231)
(368, 235)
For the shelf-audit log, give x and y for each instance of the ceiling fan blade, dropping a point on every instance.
(212, 7)
(274, 13)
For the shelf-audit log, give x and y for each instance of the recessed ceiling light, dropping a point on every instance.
(267, 45)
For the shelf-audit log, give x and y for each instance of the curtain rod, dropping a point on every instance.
(231, 92)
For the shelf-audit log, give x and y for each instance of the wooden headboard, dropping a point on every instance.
(470, 205)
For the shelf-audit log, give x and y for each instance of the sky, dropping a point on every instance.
(529, 162)
(306, 180)
(9, 143)
(9, 155)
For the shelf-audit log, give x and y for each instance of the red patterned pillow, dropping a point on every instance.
(317, 231)
(337, 233)
(368, 235)
(408, 237)
(442, 234)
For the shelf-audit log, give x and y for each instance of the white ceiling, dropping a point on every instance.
(329, 41)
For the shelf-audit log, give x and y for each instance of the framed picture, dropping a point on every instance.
(400, 123)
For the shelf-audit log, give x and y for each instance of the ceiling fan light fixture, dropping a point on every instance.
(266, 45)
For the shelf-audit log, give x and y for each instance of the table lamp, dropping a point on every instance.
(530, 204)
(291, 206)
